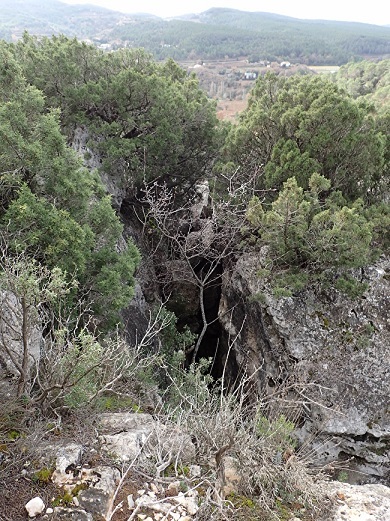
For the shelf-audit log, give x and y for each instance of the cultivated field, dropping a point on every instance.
(227, 81)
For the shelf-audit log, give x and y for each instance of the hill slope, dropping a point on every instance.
(47, 17)
(217, 33)
(213, 34)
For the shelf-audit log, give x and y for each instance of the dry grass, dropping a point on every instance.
(229, 110)
(16, 491)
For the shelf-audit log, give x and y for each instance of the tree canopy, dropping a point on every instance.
(300, 125)
(308, 234)
(52, 207)
(146, 121)
(319, 157)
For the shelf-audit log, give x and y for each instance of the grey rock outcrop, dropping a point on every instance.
(97, 498)
(123, 436)
(92, 160)
(362, 503)
(335, 350)
(11, 337)
(125, 439)
(126, 436)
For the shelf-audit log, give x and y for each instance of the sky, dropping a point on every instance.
(372, 11)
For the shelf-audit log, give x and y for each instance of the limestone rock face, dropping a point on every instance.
(362, 503)
(92, 160)
(335, 349)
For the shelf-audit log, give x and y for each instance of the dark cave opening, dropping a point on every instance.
(182, 297)
(214, 345)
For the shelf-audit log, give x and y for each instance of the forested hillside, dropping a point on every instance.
(219, 33)
(116, 179)
(214, 34)
(48, 17)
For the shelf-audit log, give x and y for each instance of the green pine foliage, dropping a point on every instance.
(299, 125)
(320, 162)
(367, 79)
(38, 228)
(146, 121)
(308, 236)
(52, 207)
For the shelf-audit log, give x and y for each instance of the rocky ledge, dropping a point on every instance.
(116, 488)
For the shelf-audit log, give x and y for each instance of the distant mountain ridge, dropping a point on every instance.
(234, 17)
(213, 34)
(220, 32)
(244, 19)
(48, 17)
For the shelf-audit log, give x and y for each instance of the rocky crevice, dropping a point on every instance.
(335, 349)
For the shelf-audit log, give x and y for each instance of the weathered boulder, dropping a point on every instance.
(111, 423)
(97, 498)
(334, 349)
(127, 436)
(67, 457)
(123, 435)
(70, 514)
